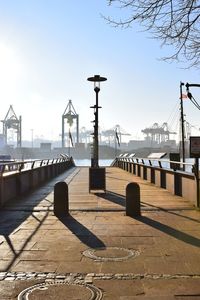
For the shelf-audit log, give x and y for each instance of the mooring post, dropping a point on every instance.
(133, 199)
(61, 201)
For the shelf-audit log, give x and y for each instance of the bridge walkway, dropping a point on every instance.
(97, 251)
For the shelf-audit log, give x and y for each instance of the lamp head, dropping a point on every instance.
(97, 79)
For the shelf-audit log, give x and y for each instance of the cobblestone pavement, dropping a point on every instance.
(97, 252)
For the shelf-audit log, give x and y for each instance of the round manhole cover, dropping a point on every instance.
(61, 290)
(110, 253)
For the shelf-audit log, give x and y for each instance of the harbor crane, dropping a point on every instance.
(69, 115)
(158, 133)
(11, 121)
(110, 134)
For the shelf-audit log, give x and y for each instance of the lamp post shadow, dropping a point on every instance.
(113, 197)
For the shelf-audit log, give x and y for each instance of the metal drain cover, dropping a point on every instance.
(61, 290)
(110, 254)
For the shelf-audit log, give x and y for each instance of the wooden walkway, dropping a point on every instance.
(97, 251)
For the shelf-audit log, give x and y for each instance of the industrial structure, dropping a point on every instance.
(81, 139)
(157, 133)
(114, 134)
(109, 136)
(69, 115)
(12, 122)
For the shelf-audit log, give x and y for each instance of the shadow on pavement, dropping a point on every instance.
(169, 211)
(16, 253)
(112, 197)
(81, 232)
(17, 210)
(187, 238)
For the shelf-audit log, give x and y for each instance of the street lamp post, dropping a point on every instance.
(96, 79)
(96, 174)
(182, 126)
(197, 155)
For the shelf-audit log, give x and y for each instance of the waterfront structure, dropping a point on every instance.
(69, 115)
(102, 252)
(12, 122)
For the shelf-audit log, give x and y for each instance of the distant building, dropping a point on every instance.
(45, 146)
(170, 143)
(136, 144)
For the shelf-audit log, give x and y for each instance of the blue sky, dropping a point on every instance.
(48, 49)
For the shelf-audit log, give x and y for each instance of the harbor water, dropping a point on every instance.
(108, 162)
(87, 162)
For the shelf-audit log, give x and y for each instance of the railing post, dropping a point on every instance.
(152, 175)
(138, 170)
(130, 167)
(177, 184)
(127, 166)
(162, 178)
(134, 168)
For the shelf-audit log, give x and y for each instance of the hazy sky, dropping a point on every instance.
(48, 49)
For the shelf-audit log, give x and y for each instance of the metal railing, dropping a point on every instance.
(159, 163)
(20, 177)
(171, 175)
(19, 166)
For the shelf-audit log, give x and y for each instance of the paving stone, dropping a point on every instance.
(40, 247)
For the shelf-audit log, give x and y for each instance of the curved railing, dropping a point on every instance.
(20, 177)
(14, 166)
(160, 163)
(177, 177)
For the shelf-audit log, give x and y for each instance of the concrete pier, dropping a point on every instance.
(97, 247)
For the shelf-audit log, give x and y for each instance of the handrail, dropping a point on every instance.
(19, 166)
(139, 160)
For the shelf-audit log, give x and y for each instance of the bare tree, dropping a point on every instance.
(174, 22)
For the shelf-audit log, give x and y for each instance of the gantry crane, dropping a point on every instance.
(69, 115)
(12, 122)
(111, 133)
(158, 133)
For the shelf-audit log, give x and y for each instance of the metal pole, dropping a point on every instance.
(182, 126)
(69, 145)
(20, 131)
(77, 129)
(115, 146)
(63, 132)
(95, 160)
(197, 179)
(96, 142)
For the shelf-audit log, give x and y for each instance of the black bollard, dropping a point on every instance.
(133, 200)
(61, 201)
